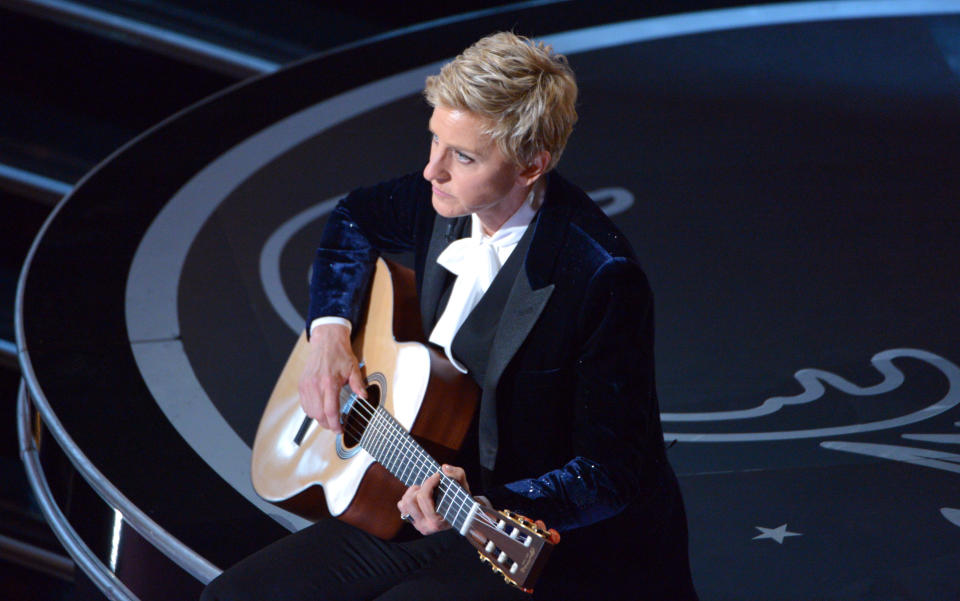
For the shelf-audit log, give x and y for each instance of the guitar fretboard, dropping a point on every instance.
(393, 447)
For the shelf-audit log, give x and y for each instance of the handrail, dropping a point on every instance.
(105, 579)
(34, 186)
(36, 558)
(185, 557)
(163, 41)
(8, 354)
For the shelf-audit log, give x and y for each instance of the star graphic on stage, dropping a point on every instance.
(778, 534)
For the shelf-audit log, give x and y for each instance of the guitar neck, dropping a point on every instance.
(393, 448)
(511, 544)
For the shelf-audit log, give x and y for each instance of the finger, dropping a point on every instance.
(356, 382)
(406, 515)
(331, 406)
(310, 397)
(408, 502)
(424, 500)
(304, 388)
(408, 499)
(426, 515)
(457, 474)
(429, 485)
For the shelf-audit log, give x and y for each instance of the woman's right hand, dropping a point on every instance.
(330, 364)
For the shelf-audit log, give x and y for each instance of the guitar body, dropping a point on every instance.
(315, 472)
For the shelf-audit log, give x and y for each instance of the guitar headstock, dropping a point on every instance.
(512, 545)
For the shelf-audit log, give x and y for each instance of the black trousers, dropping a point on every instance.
(638, 555)
(333, 561)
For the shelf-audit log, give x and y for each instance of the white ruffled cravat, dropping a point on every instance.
(475, 261)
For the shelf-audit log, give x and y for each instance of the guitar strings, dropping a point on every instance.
(423, 465)
(454, 502)
(421, 459)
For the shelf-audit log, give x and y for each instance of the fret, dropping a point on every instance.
(449, 499)
(463, 504)
(421, 468)
(417, 473)
(466, 510)
(374, 447)
(453, 511)
(394, 457)
(391, 450)
(384, 448)
(378, 442)
(368, 441)
(443, 496)
(408, 471)
(424, 469)
(401, 455)
(457, 508)
(377, 447)
(397, 437)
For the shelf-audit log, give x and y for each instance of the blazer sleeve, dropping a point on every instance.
(382, 218)
(616, 434)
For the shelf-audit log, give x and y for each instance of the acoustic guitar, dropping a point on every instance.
(416, 400)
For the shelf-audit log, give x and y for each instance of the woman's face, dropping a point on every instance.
(469, 173)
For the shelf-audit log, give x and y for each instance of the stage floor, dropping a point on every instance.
(790, 184)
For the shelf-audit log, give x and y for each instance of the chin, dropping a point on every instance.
(447, 208)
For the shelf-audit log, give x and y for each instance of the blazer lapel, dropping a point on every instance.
(532, 288)
(529, 295)
(435, 277)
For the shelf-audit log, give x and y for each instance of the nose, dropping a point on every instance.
(435, 169)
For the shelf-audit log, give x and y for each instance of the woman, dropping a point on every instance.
(530, 289)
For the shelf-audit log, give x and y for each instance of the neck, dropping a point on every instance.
(533, 194)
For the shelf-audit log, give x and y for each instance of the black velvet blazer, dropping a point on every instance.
(570, 385)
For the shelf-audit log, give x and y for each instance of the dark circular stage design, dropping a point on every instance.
(786, 173)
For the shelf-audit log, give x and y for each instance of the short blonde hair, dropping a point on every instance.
(526, 91)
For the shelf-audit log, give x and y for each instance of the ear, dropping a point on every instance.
(536, 168)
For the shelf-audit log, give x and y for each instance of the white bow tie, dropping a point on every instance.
(475, 261)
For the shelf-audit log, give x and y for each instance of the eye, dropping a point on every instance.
(462, 157)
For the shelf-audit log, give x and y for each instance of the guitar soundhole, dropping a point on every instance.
(356, 420)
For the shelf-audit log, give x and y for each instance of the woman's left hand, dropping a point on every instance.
(417, 501)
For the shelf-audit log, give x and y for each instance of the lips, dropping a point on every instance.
(441, 193)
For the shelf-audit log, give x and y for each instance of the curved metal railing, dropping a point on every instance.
(102, 576)
(185, 557)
